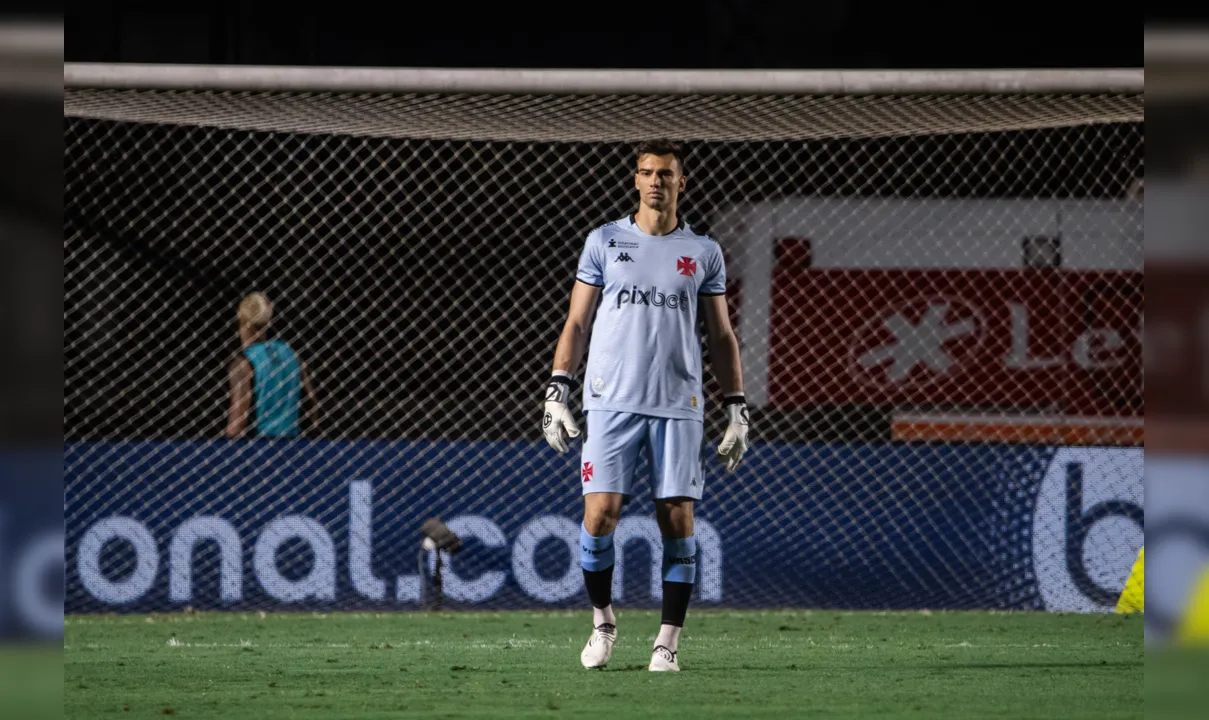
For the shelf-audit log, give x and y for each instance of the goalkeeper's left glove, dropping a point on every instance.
(734, 442)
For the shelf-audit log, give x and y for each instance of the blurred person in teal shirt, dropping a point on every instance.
(268, 381)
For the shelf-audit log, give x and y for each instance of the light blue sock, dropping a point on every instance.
(595, 553)
(680, 559)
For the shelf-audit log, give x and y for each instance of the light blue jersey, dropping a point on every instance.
(645, 353)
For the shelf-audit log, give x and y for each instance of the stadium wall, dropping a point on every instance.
(306, 525)
(812, 284)
(811, 274)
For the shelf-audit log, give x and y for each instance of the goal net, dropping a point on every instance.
(935, 279)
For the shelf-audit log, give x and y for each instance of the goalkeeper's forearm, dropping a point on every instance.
(570, 349)
(724, 356)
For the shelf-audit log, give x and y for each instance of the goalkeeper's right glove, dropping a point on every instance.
(557, 422)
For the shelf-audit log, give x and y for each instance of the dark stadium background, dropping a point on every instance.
(704, 34)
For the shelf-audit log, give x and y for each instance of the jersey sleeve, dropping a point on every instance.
(591, 261)
(715, 273)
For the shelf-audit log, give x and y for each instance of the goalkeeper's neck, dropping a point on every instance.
(656, 222)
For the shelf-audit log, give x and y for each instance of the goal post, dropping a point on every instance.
(935, 278)
(134, 76)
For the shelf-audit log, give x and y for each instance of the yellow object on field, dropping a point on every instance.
(1133, 597)
(1194, 630)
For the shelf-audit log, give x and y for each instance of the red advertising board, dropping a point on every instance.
(1052, 341)
(1177, 337)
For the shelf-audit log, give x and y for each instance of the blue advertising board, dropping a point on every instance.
(31, 543)
(318, 525)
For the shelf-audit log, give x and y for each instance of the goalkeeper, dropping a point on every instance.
(643, 388)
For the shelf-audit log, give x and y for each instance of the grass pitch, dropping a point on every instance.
(734, 664)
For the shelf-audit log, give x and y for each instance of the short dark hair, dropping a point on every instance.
(662, 147)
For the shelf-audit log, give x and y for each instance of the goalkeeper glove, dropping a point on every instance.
(734, 442)
(557, 422)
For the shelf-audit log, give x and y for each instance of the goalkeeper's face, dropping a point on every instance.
(659, 181)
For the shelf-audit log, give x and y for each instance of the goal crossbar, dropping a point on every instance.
(250, 78)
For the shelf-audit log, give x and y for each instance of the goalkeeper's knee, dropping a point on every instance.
(595, 553)
(680, 559)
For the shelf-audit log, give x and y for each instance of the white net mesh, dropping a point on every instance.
(933, 295)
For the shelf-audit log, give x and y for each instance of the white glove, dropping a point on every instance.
(557, 422)
(734, 442)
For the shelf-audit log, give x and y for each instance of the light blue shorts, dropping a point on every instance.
(675, 450)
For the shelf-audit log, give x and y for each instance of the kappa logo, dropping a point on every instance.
(624, 257)
(918, 343)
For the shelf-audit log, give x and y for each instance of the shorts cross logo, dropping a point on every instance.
(587, 471)
(686, 266)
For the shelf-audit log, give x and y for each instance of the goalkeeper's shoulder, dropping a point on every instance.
(598, 232)
(703, 232)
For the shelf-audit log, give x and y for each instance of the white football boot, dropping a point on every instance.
(663, 659)
(599, 649)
